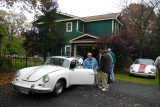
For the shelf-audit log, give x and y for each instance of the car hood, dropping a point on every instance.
(147, 67)
(37, 72)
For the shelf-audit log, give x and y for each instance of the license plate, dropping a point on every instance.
(24, 90)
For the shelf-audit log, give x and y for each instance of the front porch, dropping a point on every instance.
(83, 44)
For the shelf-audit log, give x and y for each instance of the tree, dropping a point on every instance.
(121, 44)
(154, 40)
(50, 34)
(30, 42)
(26, 5)
(11, 43)
(138, 19)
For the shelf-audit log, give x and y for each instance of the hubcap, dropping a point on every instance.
(59, 87)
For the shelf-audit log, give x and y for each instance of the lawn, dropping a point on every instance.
(135, 79)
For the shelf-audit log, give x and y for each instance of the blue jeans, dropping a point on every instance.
(112, 73)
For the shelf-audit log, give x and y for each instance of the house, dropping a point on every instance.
(83, 31)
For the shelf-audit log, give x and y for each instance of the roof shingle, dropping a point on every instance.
(101, 17)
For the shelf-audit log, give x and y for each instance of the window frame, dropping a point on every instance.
(68, 30)
(69, 50)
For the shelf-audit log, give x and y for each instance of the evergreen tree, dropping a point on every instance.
(50, 34)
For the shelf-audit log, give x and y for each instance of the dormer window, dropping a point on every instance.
(69, 27)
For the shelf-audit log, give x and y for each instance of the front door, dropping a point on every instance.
(83, 50)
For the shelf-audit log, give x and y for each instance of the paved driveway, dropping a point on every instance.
(120, 94)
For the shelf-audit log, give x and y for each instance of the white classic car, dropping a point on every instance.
(54, 76)
(143, 67)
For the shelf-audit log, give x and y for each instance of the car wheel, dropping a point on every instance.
(59, 87)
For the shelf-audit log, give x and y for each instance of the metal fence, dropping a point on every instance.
(15, 62)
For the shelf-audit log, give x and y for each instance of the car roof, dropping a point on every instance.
(144, 59)
(64, 57)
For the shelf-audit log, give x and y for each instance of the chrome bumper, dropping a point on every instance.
(26, 89)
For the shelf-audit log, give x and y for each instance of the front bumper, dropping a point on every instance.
(143, 74)
(30, 88)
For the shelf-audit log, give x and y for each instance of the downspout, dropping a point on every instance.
(112, 28)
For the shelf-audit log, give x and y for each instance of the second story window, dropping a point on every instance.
(69, 27)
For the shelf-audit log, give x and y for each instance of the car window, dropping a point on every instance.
(144, 61)
(73, 64)
(58, 62)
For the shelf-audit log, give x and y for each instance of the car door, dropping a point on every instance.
(78, 75)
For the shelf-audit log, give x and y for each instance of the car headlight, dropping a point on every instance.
(153, 70)
(45, 78)
(17, 74)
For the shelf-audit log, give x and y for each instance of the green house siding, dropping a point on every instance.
(80, 26)
(98, 28)
(74, 33)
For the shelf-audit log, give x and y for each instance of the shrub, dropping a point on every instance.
(5, 64)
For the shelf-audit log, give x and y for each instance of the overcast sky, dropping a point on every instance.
(90, 7)
(83, 8)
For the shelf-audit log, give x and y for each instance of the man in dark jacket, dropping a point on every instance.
(105, 63)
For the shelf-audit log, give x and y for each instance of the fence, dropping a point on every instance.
(15, 62)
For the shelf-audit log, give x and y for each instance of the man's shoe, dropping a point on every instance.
(104, 89)
(100, 87)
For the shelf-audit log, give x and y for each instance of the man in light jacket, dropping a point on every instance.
(157, 63)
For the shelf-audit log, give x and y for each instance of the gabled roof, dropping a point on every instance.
(101, 17)
(66, 14)
(78, 39)
(91, 18)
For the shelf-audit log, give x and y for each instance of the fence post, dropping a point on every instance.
(26, 59)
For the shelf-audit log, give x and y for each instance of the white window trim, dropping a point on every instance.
(67, 27)
(66, 49)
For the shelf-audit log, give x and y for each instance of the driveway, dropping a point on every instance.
(120, 94)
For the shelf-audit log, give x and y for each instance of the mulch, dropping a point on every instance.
(6, 77)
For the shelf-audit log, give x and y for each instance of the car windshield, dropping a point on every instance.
(144, 61)
(58, 62)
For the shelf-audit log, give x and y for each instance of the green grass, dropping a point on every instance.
(136, 79)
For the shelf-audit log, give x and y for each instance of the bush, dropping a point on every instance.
(5, 64)
(124, 63)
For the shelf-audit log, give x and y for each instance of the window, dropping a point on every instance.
(69, 27)
(73, 64)
(68, 50)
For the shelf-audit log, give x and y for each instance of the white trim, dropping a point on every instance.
(75, 50)
(83, 36)
(66, 51)
(100, 19)
(112, 27)
(83, 42)
(68, 19)
(77, 26)
(119, 22)
(83, 26)
(89, 20)
(65, 14)
(67, 27)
